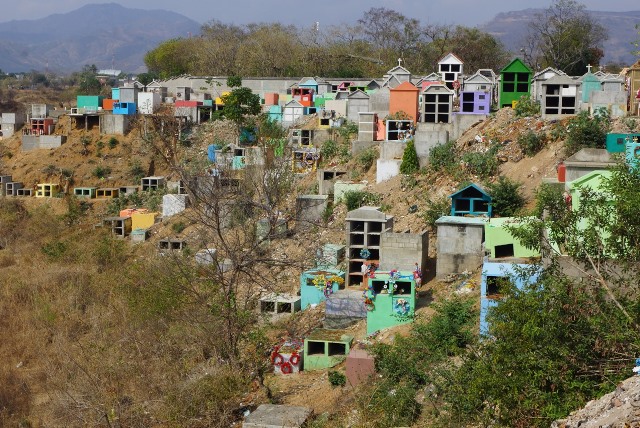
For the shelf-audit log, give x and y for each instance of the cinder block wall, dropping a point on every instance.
(403, 250)
(459, 248)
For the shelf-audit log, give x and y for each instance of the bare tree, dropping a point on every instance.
(566, 37)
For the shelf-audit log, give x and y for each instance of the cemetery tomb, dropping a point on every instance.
(324, 348)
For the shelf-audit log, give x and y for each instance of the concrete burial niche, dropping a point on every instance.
(277, 416)
(318, 284)
(274, 304)
(12, 188)
(47, 190)
(324, 348)
(172, 244)
(459, 245)
(152, 183)
(85, 192)
(139, 235)
(107, 192)
(286, 357)
(174, 204)
(120, 226)
(391, 300)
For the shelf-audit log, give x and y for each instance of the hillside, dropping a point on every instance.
(100, 34)
(99, 330)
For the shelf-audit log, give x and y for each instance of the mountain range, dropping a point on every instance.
(112, 36)
(107, 35)
(511, 28)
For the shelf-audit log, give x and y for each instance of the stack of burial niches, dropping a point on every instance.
(8, 187)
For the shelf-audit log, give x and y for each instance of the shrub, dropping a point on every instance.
(506, 197)
(329, 149)
(100, 145)
(484, 165)
(436, 209)
(355, 199)
(587, 131)
(348, 129)
(337, 379)
(136, 171)
(101, 171)
(410, 163)
(443, 157)
(531, 143)
(366, 159)
(526, 106)
(113, 142)
(178, 227)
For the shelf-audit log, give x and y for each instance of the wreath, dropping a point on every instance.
(365, 254)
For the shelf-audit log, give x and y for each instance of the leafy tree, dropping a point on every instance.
(506, 197)
(169, 59)
(240, 104)
(566, 37)
(410, 163)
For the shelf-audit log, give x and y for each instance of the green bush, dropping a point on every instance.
(101, 171)
(113, 142)
(506, 197)
(531, 143)
(136, 171)
(587, 131)
(436, 209)
(366, 159)
(443, 157)
(355, 199)
(329, 149)
(337, 378)
(100, 145)
(178, 227)
(347, 130)
(484, 165)
(526, 106)
(410, 163)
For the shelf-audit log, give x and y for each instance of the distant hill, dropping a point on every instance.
(93, 34)
(512, 29)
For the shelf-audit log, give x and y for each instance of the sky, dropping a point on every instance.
(307, 12)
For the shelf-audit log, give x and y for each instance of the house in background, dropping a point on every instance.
(515, 82)
(559, 97)
(437, 104)
(450, 69)
(404, 98)
(396, 76)
(539, 78)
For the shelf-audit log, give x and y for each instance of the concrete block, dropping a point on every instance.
(310, 210)
(172, 244)
(387, 169)
(139, 235)
(11, 189)
(360, 366)
(107, 192)
(360, 146)
(143, 220)
(120, 226)
(24, 192)
(206, 256)
(274, 303)
(152, 183)
(173, 204)
(326, 348)
(277, 416)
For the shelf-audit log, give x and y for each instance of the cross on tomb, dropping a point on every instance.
(589, 68)
(399, 62)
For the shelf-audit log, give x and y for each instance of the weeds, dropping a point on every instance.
(355, 199)
(531, 143)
